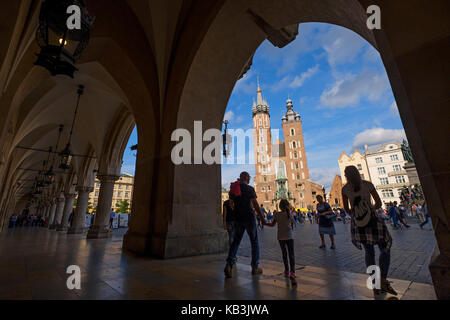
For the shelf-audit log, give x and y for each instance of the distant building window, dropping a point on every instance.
(381, 170)
(95, 202)
(387, 193)
(295, 154)
(296, 165)
(292, 132)
(260, 123)
(96, 193)
(400, 179)
(359, 166)
(119, 194)
(379, 160)
(362, 176)
(268, 188)
(262, 189)
(126, 194)
(97, 184)
(294, 145)
(301, 195)
(397, 167)
(394, 157)
(384, 181)
(265, 179)
(298, 177)
(120, 186)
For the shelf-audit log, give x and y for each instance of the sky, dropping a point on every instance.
(338, 85)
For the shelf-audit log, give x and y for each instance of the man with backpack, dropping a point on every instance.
(245, 205)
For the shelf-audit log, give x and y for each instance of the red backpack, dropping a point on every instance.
(235, 188)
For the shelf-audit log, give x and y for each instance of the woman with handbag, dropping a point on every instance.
(326, 225)
(367, 229)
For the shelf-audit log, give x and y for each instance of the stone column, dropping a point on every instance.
(52, 214)
(68, 207)
(100, 228)
(79, 218)
(59, 212)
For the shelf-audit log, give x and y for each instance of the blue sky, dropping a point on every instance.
(338, 85)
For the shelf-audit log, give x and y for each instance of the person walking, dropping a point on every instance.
(402, 216)
(366, 229)
(426, 214)
(245, 205)
(228, 219)
(394, 214)
(285, 236)
(112, 215)
(326, 225)
(309, 217)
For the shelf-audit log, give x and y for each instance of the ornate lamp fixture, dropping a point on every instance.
(61, 46)
(50, 174)
(226, 140)
(66, 154)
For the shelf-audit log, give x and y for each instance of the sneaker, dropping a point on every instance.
(286, 273)
(256, 271)
(333, 247)
(228, 271)
(386, 287)
(322, 247)
(292, 275)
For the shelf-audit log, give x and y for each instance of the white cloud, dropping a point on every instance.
(229, 115)
(246, 84)
(324, 176)
(394, 109)
(341, 45)
(300, 80)
(378, 136)
(349, 90)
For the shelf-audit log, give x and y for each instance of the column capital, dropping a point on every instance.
(107, 178)
(84, 189)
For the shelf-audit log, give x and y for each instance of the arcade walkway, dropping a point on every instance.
(33, 262)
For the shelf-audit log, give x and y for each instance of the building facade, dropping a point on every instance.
(281, 169)
(383, 165)
(386, 166)
(356, 159)
(123, 190)
(335, 194)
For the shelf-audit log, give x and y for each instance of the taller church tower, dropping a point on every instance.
(296, 164)
(262, 142)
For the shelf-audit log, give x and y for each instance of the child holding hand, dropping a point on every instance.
(285, 237)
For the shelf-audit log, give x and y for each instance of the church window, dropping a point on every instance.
(292, 132)
(294, 144)
(295, 154)
(298, 177)
(303, 175)
(296, 165)
(260, 122)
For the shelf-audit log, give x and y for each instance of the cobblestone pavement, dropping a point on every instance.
(410, 254)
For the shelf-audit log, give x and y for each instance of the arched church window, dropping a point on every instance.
(292, 132)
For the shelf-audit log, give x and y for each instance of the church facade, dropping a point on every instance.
(281, 168)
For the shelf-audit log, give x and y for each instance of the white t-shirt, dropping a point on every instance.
(284, 223)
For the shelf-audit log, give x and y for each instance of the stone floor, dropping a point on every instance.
(33, 263)
(410, 253)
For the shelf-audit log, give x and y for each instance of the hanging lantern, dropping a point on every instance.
(66, 157)
(61, 46)
(50, 176)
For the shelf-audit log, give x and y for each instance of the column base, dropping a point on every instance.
(440, 274)
(76, 230)
(61, 228)
(99, 233)
(176, 246)
(53, 226)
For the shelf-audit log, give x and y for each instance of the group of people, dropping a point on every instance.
(367, 228)
(32, 220)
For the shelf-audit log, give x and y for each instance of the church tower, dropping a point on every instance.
(296, 164)
(262, 142)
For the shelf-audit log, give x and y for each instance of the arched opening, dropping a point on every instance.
(334, 84)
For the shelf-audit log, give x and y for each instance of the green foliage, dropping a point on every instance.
(124, 207)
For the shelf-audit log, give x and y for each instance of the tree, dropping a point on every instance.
(123, 207)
